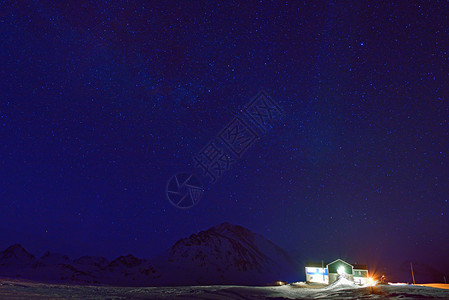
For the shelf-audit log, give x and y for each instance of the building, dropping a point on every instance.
(360, 273)
(317, 272)
(330, 272)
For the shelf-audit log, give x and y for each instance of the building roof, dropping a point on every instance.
(325, 264)
(341, 261)
(360, 267)
(316, 264)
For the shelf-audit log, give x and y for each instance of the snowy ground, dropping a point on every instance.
(15, 289)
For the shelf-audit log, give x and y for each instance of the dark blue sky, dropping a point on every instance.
(103, 101)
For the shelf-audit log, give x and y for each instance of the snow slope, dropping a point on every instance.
(19, 289)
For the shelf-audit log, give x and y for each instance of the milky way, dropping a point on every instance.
(103, 101)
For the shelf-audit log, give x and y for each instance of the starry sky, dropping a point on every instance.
(103, 101)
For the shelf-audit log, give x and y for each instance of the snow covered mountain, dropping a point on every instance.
(16, 257)
(16, 262)
(224, 254)
(227, 254)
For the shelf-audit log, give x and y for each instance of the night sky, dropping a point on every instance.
(103, 101)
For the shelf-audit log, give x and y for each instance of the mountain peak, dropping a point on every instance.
(127, 261)
(17, 249)
(16, 255)
(226, 227)
(14, 248)
(228, 254)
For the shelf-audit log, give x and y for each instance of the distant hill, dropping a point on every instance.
(224, 254)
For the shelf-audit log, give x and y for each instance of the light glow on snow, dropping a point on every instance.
(371, 282)
(341, 270)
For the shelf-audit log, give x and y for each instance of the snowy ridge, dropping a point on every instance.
(20, 289)
(342, 283)
(224, 254)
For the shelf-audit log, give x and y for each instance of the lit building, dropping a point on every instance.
(360, 273)
(330, 272)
